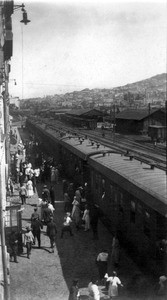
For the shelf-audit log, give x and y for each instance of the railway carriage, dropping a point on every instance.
(133, 197)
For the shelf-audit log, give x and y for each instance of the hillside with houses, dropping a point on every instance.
(134, 95)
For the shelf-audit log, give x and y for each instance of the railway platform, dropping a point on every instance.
(48, 276)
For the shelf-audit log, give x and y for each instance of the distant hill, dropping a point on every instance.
(155, 83)
(153, 89)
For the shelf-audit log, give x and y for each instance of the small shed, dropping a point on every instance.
(138, 120)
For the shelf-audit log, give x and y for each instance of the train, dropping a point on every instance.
(130, 194)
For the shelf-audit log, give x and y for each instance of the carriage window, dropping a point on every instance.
(103, 186)
(139, 208)
(111, 192)
(115, 199)
(98, 182)
(132, 211)
(111, 189)
(147, 223)
(121, 202)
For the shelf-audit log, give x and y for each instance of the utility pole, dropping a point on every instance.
(149, 114)
(114, 125)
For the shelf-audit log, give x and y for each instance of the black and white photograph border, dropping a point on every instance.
(83, 202)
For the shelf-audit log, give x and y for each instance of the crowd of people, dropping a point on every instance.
(79, 213)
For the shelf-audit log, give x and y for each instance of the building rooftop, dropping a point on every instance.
(135, 114)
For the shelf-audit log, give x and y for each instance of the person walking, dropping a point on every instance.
(29, 187)
(36, 226)
(11, 187)
(45, 193)
(35, 215)
(67, 202)
(76, 213)
(94, 293)
(52, 195)
(23, 194)
(67, 225)
(162, 291)
(57, 175)
(51, 232)
(28, 240)
(34, 183)
(47, 214)
(52, 174)
(102, 263)
(74, 291)
(65, 186)
(86, 218)
(114, 282)
(95, 215)
(51, 207)
(13, 243)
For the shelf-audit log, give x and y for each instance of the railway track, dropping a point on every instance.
(144, 153)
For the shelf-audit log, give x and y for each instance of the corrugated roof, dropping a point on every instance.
(136, 178)
(135, 114)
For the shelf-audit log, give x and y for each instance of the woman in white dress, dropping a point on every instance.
(114, 282)
(29, 188)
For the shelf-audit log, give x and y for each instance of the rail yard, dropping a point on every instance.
(145, 152)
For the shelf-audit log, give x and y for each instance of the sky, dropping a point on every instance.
(77, 44)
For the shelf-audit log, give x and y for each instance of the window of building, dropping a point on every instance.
(11, 218)
(7, 218)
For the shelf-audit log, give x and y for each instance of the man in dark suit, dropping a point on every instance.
(51, 232)
(36, 230)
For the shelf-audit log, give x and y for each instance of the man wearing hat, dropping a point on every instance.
(51, 232)
(34, 216)
(45, 193)
(13, 243)
(37, 225)
(28, 240)
(47, 214)
(102, 260)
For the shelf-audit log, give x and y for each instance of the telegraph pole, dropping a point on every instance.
(114, 125)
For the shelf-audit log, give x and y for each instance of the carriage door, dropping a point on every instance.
(13, 222)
